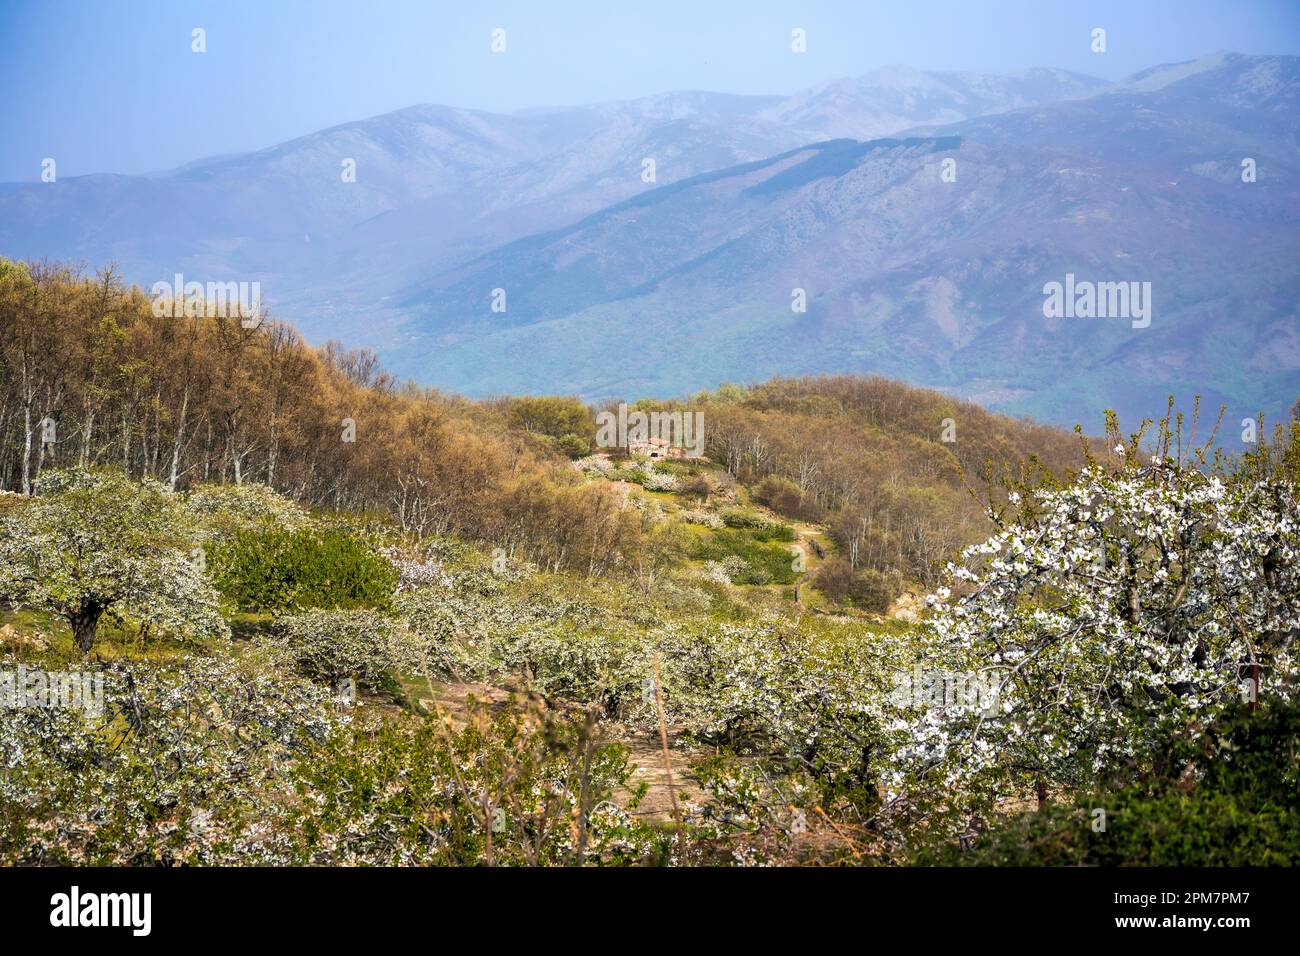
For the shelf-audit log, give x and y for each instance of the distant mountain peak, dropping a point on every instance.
(1232, 73)
(1158, 77)
(898, 75)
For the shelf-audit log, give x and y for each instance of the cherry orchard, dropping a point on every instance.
(1121, 605)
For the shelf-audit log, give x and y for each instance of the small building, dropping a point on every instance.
(656, 448)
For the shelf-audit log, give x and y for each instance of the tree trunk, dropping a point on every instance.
(27, 447)
(88, 431)
(85, 624)
(177, 444)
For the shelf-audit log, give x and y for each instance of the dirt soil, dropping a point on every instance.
(645, 749)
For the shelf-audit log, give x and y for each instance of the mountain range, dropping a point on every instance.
(917, 214)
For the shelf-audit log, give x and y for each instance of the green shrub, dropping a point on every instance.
(759, 528)
(745, 520)
(554, 417)
(1229, 796)
(768, 563)
(574, 446)
(271, 569)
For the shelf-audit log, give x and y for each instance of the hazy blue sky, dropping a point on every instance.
(114, 87)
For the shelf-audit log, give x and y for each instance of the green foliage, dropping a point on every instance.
(14, 272)
(331, 645)
(521, 787)
(1281, 457)
(575, 446)
(759, 528)
(766, 563)
(798, 695)
(567, 421)
(604, 668)
(866, 589)
(273, 569)
(1228, 796)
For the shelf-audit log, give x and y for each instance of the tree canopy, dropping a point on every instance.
(96, 543)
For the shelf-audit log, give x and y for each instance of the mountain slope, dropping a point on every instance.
(895, 98)
(436, 186)
(939, 283)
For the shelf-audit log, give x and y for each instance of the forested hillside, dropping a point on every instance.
(194, 400)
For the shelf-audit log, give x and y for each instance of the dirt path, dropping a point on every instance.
(645, 750)
(646, 753)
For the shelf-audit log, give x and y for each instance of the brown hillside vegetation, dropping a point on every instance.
(888, 467)
(193, 400)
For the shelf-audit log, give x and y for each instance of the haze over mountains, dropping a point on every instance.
(619, 287)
